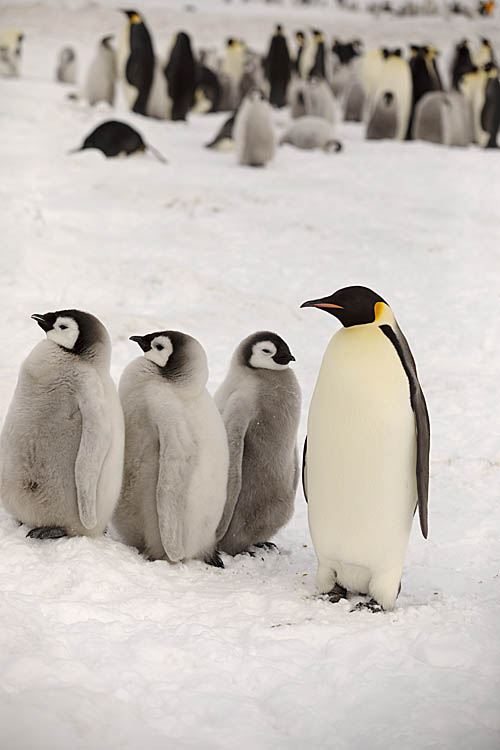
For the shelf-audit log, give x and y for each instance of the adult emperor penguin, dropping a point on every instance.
(254, 136)
(181, 73)
(423, 80)
(481, 88)
(101, 76)
(366, 457)
(278, 68)
(61, 448)
(260, 403)
(136, 62)
(461, 63)
(176, 452)
(319, 69)
(393, 93)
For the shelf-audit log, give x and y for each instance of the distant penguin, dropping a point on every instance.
(485, 54)
(318, 69)
(115, 138)
(233, 67)
(346, 52)
(443, 118)
(208, 87)
(354, 101)
(223, 140)
(366, 457)
(301, 40)
(278, 68)
(159, 103)
(101, 76)
(176, 452)
(370, 72)
(260, 404)
(11, 47)
(422, 79)
(391, 104)
(308, 55)
(320, 101)
(461, 64)
(180, 73)
(61, 447)
(136, 62)
(481, 89)
(254, 131)
(431, 55)
(310, 133)
(66, 71)
(344, 64)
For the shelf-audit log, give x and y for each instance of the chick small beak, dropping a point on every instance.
(141, 341)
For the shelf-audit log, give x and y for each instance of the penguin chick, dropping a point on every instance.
(61, 447)
(100, 83)
(260, 403)
(115, 138)
(66, 66)
(176, 453)
(366, 457)
(254, 131)
(310, 133)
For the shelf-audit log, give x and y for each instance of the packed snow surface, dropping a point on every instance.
(101, 649)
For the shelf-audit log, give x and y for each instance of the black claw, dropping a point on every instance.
(47, 532)
(214, 559)
(269, 546)
(247, 552)
(337, 593)
(371, 606)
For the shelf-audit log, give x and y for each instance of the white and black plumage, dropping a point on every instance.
(390, 106)
(61, 447)
(278, 68)
(136, 62)
(260, 403)
(366, 457)
(176, 452)
(254, 136)
(116, 138)
(101, 75)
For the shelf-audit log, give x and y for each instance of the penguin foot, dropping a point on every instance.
(337, 593)
(246, 552)
(372, 606)
(214, 559)
(47, 532)
(268, 546)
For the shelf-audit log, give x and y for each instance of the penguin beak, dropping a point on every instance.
(284, 359)
(141, 341)
(321, 303)
(40, 319)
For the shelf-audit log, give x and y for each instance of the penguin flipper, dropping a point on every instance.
(236, 419)
(176, 451)
(304, 469)
(422, 423)
(94, 446)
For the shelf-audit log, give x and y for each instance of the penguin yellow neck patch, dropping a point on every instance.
(135, 18)
(378, 309)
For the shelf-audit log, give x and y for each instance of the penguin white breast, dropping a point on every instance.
(361, 452)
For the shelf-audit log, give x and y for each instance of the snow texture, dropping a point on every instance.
(101, 649)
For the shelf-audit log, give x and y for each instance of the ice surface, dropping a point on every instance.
(102, 649)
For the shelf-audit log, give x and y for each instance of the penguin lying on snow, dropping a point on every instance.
(310, 133)
(366, 457)
(176, 452)
(61, 448)
(260, 403)
(116, 138)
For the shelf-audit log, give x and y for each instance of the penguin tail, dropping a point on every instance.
(75, 150)
(156, 153)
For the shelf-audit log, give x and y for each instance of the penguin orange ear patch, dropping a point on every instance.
(378, 309)
(135, 18)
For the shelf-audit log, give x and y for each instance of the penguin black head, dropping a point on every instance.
(229, 42)
(279, 29)
(352, 305)
(174, 353)
(74, 330)
(265, 350)
(299, 36)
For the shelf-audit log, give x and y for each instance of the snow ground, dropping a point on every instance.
(101, 649)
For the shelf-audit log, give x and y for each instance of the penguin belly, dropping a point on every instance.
(208, 482)
(361, 465)
(110, 479)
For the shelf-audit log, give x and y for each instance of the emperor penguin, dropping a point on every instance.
(443, 117)
(393, 93)
(11, 47)
(260, 404)
(485, 54)
(319, 68)
(309, 55)
(310, 133)
(116, 138)
(482, 90)
(101, 75)
(66, 71)
(461, 63)
(181, 75)
(423, 80)
(233, 67)
(176, 452)
(61, 447)
(136, 62)
(278, 68)
(254, 136)
(301, 40)
(366, 456)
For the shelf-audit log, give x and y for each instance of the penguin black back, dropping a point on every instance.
(462, 63)
(140, 65)
(490, 115)
(421, 79)
(318, 70)
(278, 68)
(114, 138)
(180, 72)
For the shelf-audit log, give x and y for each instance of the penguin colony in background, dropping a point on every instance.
(182, 475)
(396, 93)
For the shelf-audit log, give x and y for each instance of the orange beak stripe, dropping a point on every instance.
(327, 304)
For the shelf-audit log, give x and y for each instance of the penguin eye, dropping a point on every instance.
(159, 347)
(267, 351)
(62, 327)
